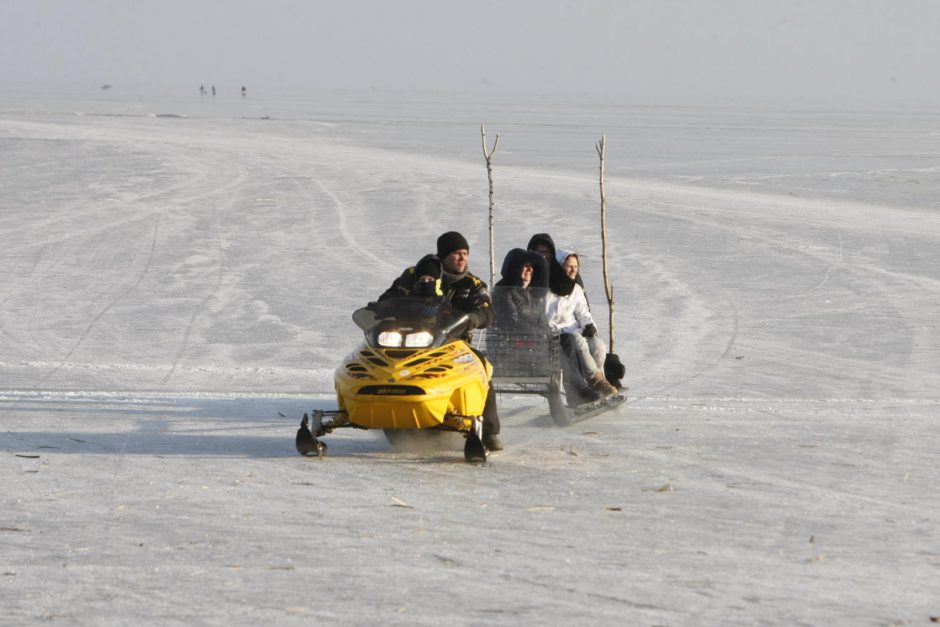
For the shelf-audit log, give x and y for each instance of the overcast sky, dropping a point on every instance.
(637, 51)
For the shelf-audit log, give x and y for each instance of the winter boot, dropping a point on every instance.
(599, 384)
(580, 393)
(491, 442)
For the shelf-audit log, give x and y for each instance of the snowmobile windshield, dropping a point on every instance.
(410, 322)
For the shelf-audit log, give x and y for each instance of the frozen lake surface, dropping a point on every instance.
(178, 278)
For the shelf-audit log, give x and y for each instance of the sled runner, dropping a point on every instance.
(526, 356)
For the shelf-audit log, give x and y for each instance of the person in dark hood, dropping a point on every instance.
(558, 281)
(517, 260)
(462, 290)
(516, 304)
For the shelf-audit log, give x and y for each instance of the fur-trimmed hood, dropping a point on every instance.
(511, 270)
(557, 281)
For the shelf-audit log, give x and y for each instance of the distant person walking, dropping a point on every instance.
(244, 91)
(213, 90)
(202, 90)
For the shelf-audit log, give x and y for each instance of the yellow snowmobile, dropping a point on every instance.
(414, 371)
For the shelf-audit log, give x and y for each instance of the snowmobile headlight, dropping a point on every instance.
(419, 339)
(389, 339)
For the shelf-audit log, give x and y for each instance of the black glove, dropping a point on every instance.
(589, 331)
(380, 308)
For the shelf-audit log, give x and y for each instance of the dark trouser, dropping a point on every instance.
(490, 415)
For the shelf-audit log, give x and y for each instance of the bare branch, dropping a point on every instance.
(608, 288)
(488, 155)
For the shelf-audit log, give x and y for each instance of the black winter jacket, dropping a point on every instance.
(466, 292)
(517, 308)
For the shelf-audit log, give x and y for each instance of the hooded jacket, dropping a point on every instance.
(569, 313)
(464, 291)
(558, 281)
(511, 270)
(516, 307)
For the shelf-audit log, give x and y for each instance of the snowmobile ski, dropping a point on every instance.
(589, 410)
(307, 444)
(474, 451)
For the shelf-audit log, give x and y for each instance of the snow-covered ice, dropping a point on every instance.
(178, 279)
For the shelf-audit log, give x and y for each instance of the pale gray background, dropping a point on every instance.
(825, 53)
(179, 271)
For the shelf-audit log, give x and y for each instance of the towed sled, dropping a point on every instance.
(413, 372)
(526, 356)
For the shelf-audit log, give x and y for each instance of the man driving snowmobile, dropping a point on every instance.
(462, 290)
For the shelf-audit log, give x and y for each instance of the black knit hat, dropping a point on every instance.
(430, 266)
(449, 242)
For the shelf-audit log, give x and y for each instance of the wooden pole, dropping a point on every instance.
(488, 155)
(608, 289)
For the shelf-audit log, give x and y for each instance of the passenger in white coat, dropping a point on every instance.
(569, 314)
